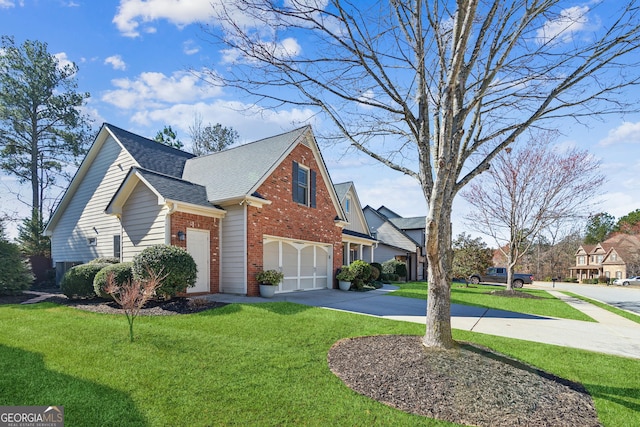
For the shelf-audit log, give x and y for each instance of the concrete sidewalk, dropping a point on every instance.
(611, 335)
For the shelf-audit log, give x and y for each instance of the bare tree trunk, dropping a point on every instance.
(439, 259)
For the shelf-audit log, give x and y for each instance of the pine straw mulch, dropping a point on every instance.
(469, 385)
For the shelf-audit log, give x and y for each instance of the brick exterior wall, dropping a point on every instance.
(289, 219)
(180, 221)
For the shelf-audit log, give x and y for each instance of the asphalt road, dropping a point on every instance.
(624, 297)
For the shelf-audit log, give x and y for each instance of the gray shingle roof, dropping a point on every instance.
(176, 189)
(413, 223)
(150, 154)
(238, 171)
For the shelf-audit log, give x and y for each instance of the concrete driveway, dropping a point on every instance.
(612, 334)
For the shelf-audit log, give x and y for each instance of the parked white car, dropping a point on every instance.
(635, 280)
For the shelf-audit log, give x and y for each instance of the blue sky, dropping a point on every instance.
(133, 58)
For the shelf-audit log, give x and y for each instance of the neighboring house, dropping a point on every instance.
(618, 257)
(269, 204)
(399, 238)
(358, 244)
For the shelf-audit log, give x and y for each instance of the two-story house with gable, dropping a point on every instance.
(263, 205)
(358, 243)
(618, 257)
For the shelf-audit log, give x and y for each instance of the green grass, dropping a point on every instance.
(612, 309)
(262, 364)
(480, 295)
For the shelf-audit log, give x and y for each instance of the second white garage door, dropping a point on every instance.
(306, 265)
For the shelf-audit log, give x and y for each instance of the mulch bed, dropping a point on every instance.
(469, 385)
(174, 306)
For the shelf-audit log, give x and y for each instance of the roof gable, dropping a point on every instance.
(238, 171)
(388, 233)
(387, 212)
(149, 154)
(145, 153)
(168, 189)
(348, 189)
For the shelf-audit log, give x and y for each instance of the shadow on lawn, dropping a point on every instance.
(26, 381)
(620, 395)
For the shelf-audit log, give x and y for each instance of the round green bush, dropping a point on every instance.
(175, 264)
(362, 272)
(375, 273)
(77, 282)
(15, 272)
(378, 266)
(122, 273)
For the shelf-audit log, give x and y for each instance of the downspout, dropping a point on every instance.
(167, 222)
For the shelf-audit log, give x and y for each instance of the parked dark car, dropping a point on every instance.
(499, 275)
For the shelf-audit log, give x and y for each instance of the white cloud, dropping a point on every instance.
(63, 61)
(190, 47)
(116, 62)
(627, 132)
(564, 27)
(251, 121)
(286, 48)
(156, 90)
(132, 14)
(6, 4)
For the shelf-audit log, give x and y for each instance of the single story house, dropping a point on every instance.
(269, 204)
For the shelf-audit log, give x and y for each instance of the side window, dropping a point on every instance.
(347, 205)
(116, 246)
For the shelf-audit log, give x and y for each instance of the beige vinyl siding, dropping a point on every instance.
(355, 217)
(233, 276)
(143, 222)
(86, 208)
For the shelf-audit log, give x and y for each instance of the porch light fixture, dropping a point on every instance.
(181, 236)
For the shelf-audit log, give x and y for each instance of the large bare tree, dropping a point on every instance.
(529, 191)
(434, 89)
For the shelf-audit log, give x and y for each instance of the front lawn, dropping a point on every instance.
(544, 304)
(262, 364)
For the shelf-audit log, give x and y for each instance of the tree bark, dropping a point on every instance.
(439, 257)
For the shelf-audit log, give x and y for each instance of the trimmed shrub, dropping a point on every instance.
(375, 273)
(362, 272)
(174, 265)
(122, 273)
(105, 260)
(401, 269)
(344, 274)
(393, 266)
(378, 266)
(78, 281)
(15, 271)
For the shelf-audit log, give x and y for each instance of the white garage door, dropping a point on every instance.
(306, 265)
